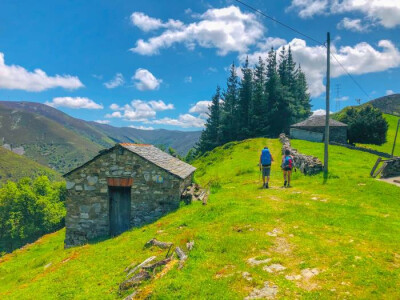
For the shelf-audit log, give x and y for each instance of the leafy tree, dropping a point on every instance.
(29, 209)
(191, 155)
(366, 125)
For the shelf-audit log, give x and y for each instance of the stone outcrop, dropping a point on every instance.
(392, 168)
(307, 164)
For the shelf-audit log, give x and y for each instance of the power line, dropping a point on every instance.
(306, 36)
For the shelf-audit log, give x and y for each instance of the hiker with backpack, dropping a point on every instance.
(265, 165)
(287, 166)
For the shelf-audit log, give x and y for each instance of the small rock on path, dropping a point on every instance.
(269, 291)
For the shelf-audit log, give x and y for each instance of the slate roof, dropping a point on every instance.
(319, 121)
(158, 157)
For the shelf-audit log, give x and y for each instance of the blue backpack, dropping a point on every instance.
(288, 161)
(265, 157)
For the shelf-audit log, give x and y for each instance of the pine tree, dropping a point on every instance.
(244, 101)
(303, 101)
(211, 135)
(258, 110)
(229, 113)
(283, 67)
(279, 99)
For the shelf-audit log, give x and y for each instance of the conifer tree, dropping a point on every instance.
(229, 113)
(258, 110)
(303, 101)
(244, 101)
(211, 135)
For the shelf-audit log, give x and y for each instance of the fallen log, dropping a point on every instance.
(181, 255)
(159, 244)
(157, 264)
(135, 280)
(131, 270)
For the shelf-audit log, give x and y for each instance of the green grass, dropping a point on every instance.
(387, 147)
(13, 167)
(346, 226)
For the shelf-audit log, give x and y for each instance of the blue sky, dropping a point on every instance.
(154, 64)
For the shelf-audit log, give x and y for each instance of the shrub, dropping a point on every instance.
(366, 125)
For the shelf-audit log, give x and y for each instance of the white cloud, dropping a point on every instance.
(97, 76)
(188, 79)
(320, 112)
(160, 105)
(201, 107)
(142, 127)
(74, 102)
(227, 29)
(14, 77)
(185, 121)
(115, 82)
(147, 23)
(344, 98)
(269, 42)
(359, 59)
(145, 80)
(102, 121)
(353, 25)
(115, 114)
(212, 69)
(389, 92)
(383, 12)
(139, 110)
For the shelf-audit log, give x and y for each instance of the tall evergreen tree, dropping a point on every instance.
(211, 135)
(258, 110)
(283, 67)
(279, 99)
(303, 101)
(229, 114)
(244, 101)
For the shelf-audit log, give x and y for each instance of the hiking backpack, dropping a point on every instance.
(288, 161)
(265, 157)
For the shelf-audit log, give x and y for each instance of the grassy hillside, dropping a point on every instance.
(388, 104)
(13, 167)
(44, 140)
(347, 227)
(387, 147)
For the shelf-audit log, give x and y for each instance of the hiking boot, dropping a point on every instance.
(266, 185)
(288, 185)
(284, 184)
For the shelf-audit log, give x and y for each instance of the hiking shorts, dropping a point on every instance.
(266, 170)
(287, 169)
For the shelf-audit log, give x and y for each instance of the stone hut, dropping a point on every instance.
(313, 129)
(124, 186)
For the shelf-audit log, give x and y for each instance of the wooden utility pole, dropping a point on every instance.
(328, 83)
(395, 137)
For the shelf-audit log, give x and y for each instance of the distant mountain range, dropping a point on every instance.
(55, 139)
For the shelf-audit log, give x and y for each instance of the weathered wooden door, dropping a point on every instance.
(120, 209)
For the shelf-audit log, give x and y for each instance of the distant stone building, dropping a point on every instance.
(124, 186)
(313, 129)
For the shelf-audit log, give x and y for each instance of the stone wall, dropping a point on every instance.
(392, 168)
(307, 164)
(154, 193)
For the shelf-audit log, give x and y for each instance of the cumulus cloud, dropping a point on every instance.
(188, 79)
(383, 12)
(226, 29)
(147, 23)
(201, 107)
(355, 25)
(102, 121)
(118, 80)
(185, 121)
(144, 80)
(74, 102)
(141, 127)
(320, 112)
(14, 77)
(389, 92)
(359, 59)
(139, 110)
